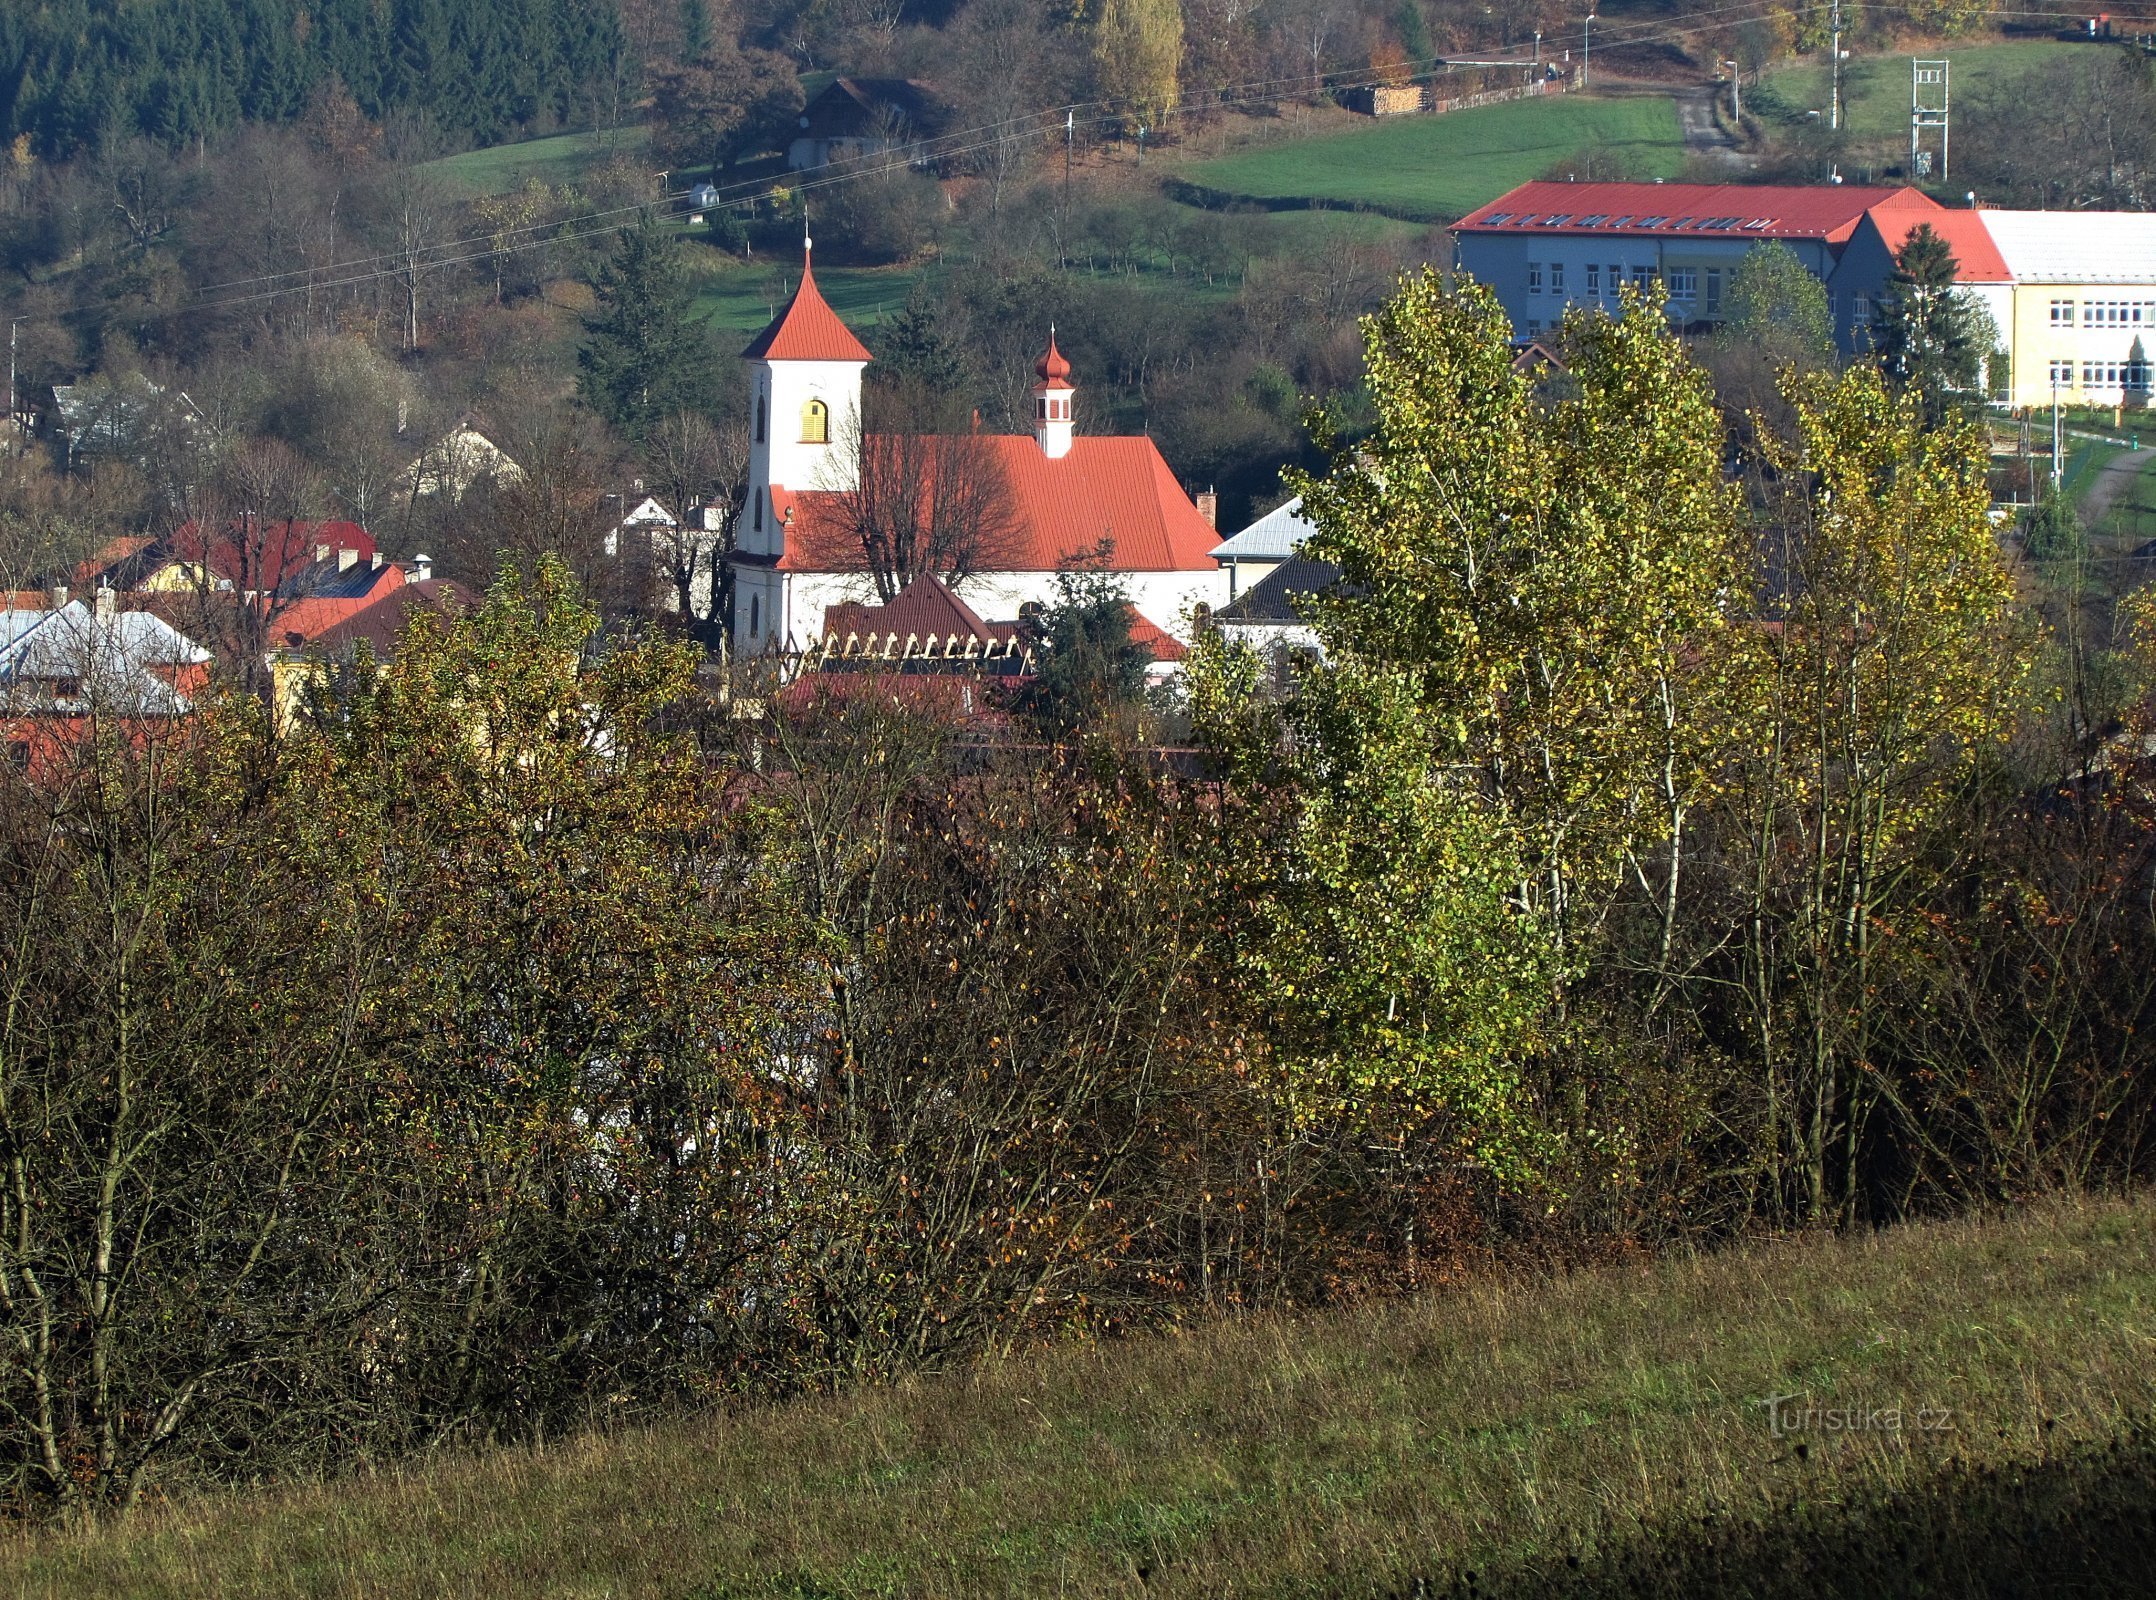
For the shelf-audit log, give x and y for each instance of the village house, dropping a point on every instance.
(1069, 497)
(856, 117)
(65, 665)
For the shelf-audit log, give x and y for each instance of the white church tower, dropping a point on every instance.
(804, 434)
(1052, 402)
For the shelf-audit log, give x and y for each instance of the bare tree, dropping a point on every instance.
(926, 503)
(700, 473)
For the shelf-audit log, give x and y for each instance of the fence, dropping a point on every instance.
(1389, 101)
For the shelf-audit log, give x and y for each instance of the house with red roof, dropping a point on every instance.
(1548, 245)
(1067, 496)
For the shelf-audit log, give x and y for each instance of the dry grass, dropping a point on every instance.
(1612, 1418)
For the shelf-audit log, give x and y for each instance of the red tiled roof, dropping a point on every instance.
(381, 622)
(807, 330)
(926, 608)
(1155, 640)
(304, 621)
(268, 553)
(1114, 488)
(1692, 210)
(1976, 256)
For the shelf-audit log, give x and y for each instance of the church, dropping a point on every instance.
(1067, 494)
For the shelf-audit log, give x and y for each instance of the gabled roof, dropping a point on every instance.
(807, 330)
(69, 659)
(2075, 246)
(262, 555)
(1153, 639)
(926, 608)
(854, 107)
(1275, 597)
(1273, 537)
(1114, 488)
(1976, 257)
(1694, 210)
(381, 622)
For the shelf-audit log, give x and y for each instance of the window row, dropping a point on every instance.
(1682, 282)
(2103, 313)
(2104, 374)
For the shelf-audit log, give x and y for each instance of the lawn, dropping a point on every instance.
(1437, 168)
(1958, 1408)
(744, 298)
(564, 158)
(1875, 89)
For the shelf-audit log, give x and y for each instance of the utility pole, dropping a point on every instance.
(14, 439)
(1070, 135)
(1586, 40)
(1834, 92)
(2058, 466)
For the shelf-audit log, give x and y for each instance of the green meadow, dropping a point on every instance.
(1437, 168)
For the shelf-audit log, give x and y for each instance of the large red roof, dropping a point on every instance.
(1697, 210)
(265, 553)
(807, 330)
(1114, 488)
(1976, 255)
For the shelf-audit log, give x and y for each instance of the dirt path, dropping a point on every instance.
(2111, 481)
(1703, 136)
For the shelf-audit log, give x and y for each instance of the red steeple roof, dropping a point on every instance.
(1054, 370)
(807, 330)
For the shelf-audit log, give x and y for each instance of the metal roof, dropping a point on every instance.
(1273, 537)
(2075, 246)
(1696, 210)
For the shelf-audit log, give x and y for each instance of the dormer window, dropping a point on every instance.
(815, 423)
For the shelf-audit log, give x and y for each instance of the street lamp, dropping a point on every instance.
(1586, 22)
(1736, 94)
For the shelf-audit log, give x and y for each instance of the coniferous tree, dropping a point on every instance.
(646, 355)
(1924, 330)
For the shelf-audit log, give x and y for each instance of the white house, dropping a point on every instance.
(1248, 556)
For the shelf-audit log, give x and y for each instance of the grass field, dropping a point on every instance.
(1957, 1408)
(1875, 89)
(1437, 168)
(745, 298)
(561, 159)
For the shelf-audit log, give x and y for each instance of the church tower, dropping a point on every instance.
(804, 435)
(1052, 402)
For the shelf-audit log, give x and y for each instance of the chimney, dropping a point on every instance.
(321, 552)
(377, 563)
(59, 597)
(1208, 505)
(422, 568)
(347, 558)
(108, 603)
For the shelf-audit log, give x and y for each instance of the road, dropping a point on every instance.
(1704, 136)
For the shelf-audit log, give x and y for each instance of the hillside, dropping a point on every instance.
(1438, 168)
(1487, 1437)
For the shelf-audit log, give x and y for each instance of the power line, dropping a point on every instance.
(415, 261)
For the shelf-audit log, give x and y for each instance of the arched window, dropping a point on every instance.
(815, 423)
(759, 419)
(756, 614)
